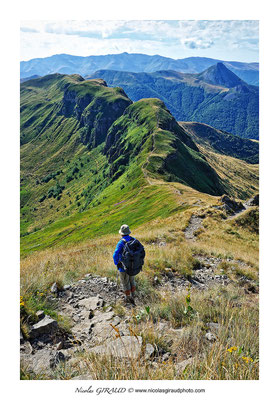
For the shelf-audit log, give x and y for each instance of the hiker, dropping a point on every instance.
(129, 261)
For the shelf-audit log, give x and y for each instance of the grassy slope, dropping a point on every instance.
(223, 142)
(157, 210)
(52, 153)
(172, 153)
(145, 144)
(229, 306)
(191, 99)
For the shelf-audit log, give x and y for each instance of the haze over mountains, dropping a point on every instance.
(68, 64)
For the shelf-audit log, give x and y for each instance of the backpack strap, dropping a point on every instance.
(127, 241)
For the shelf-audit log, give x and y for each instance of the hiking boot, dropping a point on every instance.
(132, 301)
(126, 301)
(129, 301)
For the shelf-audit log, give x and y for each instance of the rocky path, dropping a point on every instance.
(195, 224)
(231, 207)
(89, 305)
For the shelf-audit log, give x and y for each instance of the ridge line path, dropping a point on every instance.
(152, 151)
(195, 221)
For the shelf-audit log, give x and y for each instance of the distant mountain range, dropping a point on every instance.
(215, 96)
(68, 64)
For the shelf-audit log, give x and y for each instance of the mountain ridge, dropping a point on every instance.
(194, 97)
(65, 63)
(76, 186)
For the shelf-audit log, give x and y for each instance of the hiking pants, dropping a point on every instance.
(128, 283)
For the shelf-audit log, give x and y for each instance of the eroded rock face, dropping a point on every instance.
(93, 111)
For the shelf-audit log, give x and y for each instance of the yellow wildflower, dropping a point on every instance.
(247, 359)
(231, 349)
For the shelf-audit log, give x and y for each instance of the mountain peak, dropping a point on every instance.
(219, 74)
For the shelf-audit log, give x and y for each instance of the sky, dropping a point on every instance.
(231, 40)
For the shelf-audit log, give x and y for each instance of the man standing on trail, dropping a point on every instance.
(127, 281)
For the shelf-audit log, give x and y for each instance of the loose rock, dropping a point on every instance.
(210, 337)
(46, 326)
(91, 303)
(124, 347)
(40, 314)
(54, 288)
(149, 351)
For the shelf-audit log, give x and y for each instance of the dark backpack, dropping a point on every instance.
(132, 256)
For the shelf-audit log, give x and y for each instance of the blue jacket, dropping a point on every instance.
(118, 251)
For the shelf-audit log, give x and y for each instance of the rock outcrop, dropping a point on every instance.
(95, 106)
(46, 326)
(230, 205)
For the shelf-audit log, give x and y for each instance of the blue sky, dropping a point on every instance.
(224, 39)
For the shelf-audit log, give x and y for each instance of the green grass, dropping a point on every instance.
(72, 190)
(138, 207)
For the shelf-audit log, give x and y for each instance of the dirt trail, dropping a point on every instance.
(195, 223)
(92, 306)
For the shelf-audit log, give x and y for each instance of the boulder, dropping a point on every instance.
(46, 326)
(56, 359)
(116, 320)
(39, 362)
(123, 347)
(83, 328)
(103, 331)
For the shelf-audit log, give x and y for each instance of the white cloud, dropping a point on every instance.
(176, 39)
(193, 43)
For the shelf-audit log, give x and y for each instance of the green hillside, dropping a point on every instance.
(147, 128)
(90, 160)
(216, 97)
(223, 142)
